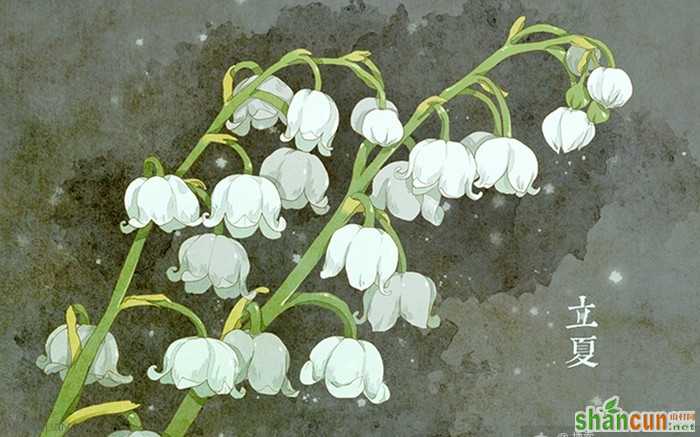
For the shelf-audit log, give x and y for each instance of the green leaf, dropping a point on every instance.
(611, 404)
(87, 413)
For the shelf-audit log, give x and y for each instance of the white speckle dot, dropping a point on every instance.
(114, 100)
(151, 333)
(139, 42)
(569, 163)
(476, 216)
(427, 238)
(539, 230)
(221, 434)
(178, 233)
(566, 173)
(221, 162)
(534, 311)
(314, 400)
(203, 37)
(496, 238)
(583, 157)
(296, 258)
(413, 360)
(151, 408)
(548, 188)
(361, 403)
(402, 342)
(683, 153)
(514, 310)
(98, 261)
(498, 201)
(446, 206)
(517, 371)
(550, 324)
(615, 277)
(22, 240)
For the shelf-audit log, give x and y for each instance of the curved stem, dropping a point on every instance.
(385, 221)
(495, 114)
(81, 314)
(329, 302)
(369, 79)
(361, 158)
(444, 122)
(230, 141)
(376, 72)
(230, 75)
(161, 301)
(318, 82)
(539, 28)
(367, 208)
(152, 167)
(272, 99)
(501, 100)
(256, 324)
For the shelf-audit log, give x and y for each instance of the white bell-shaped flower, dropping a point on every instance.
(567, 129)
(246, 203)
(447, 165)
(476, 139)
(165, 201)
(264, 362)
(255, 112)
(206, 365)
(127, 433)
(409, 295)
(312, 120)
(573, 57)
(349, 368)
(507, 164)
(368, 255)
(392, 191)
(611, 87)
(212, 260)
(300, 178)
(103, 369)
(379, 126)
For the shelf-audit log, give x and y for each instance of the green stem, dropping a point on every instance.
(444, 122)
(153, 167)
(369, 79)
(367, 208)
(495, 114)
(185, 415)
(73, 383)
(329, 302)
(81, 314)
(385, 221)
(133, 301)
(318, 82)
(256, 324)
(361, 158)
(502, 104)
(134, 421)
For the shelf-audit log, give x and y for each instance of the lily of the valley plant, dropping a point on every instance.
(358, 241)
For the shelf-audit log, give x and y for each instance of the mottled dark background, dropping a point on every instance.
(89, 89)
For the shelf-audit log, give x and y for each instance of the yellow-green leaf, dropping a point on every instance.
(582, 42)
(486, 87)
(107, 408)
(430, 101)
(220, 138)
(227, 84)
(234, 317)
(73, 338)
(358, 55)
(194, 182)
(144, 300)
(583, 62)
(517, 26)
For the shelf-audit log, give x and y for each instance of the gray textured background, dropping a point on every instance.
(83, 104)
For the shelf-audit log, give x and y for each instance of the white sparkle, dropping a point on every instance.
(583, 157)
(498, 201)
(361, 403)
(534, 311)
(427, 238)
(566, 173)
(550, 324)
(221, 162)
(151, 408)
(402, 342)
(446, 206)
(22, 240)
(683, 153)
(517, 371)
(56, 196)
(178, 233)
(296, 258)
(315, 400)
(413, 360)
(203, 37)
(496, 238)
(615, 277)
(98, 261)
(476, 216)
(139, 42)
(569, 163)
(539, 230)
(548, 188)
(151, 333)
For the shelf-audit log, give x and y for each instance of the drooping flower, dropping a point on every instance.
(212, 260)
(312, 120)
(300, 178)
(103, 369)
(255, 112)
(349, 368)
(264, 362)
(394, 192)
(379, 126)
(165, 201)
(573, 57)
(567, 129)
(246, 203)
(611, 87)
(368, 255)
(507, 164)
(206, 365)
(127, 433)
(409, 295)
(445, 165)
